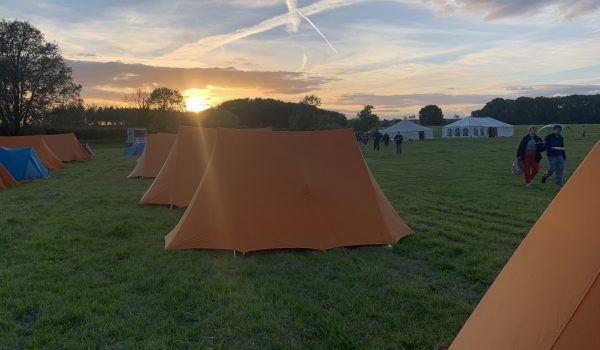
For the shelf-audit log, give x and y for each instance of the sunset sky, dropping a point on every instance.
(397, 55)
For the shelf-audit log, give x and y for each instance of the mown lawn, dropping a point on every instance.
(82, 265)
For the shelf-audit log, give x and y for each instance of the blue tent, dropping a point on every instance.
(136, 149)
(22, 163)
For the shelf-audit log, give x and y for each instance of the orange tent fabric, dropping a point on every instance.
(548, 294)
(66, 147)
(37, 142)
(269, 190)
(180, 175)
(155, 153)
(6, 179)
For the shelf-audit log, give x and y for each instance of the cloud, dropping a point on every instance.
(106, 80)
(253, 3)
(212, 42)
(294, 23)
(500, 9)
(408, 100)
(549, 90)
(304, 62)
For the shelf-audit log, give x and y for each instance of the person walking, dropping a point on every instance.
(376, 138)
(583, 133)
(555, 150)
(529, 154)
(386, 139)
(398, 140)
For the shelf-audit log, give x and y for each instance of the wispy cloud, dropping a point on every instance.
(304, 62)
(294, 23)
(212, 42)
(499, 9)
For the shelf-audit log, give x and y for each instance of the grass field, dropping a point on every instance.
(82, 265)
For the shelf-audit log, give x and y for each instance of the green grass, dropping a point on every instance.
(82, 265)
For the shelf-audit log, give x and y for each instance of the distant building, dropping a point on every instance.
(477, 127)
(410, 131)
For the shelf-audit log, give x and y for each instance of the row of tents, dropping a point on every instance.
(243, 194)
(30, 157)
(463, 128)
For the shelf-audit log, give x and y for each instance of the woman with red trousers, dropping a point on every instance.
(530, 154)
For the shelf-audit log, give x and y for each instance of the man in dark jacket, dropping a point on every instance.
(386, 139)
(376, 138)
(530, 154)
(398, 140)
(555, 150)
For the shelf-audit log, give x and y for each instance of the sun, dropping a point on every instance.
(196, 103)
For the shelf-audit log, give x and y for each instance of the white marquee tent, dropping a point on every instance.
(477, 127)
(409, 130)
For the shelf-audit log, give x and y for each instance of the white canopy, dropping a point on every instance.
(409, 130)
(478, 127)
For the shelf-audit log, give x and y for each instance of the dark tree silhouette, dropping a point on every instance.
(577, 109)
(431, 115)
(366, 119)
(165, 99)
(311, 100)
(34, 78)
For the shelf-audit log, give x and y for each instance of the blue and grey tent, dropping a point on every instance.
(136, 149)
(22, 163)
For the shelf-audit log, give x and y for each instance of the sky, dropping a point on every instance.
(397, 55)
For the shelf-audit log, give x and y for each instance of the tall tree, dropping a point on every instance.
(165, 99)
(311, 100)
(431, 115)
(366, 119)
(139, 99)
(34, 77)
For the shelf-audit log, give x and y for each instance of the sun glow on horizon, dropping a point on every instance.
(195, 101)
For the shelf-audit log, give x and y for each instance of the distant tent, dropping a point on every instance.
(136, 149)
(548, 294)
(269, 190)
(182, 171)
(50, 160)
(6, 179)
(477, 127)
(409, 131)
(66, 147)
(22, 163)
(155, 153)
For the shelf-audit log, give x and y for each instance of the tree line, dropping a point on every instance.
(238, 113)
(573, 109)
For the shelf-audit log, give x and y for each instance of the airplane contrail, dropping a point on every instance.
(209, 43)
(317, 29)
(294, 23)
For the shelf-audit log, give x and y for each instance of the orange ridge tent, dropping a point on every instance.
(269, 190)
(66, 147)
(6, 179)
(183, 168)
(548, 294)
(50, 160)
(156, 151)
